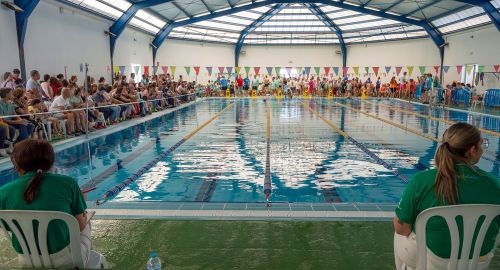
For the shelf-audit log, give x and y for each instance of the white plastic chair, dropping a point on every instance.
(41, 257)
(471, 214)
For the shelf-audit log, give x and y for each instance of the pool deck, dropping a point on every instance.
(244, 211)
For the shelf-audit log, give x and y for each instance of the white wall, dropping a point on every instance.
(55, 40)
(9, 54)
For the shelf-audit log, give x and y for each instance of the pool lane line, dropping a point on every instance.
(416, 132)
(132, 178)
(267, 172)
(207, 188)
(446, 121)
(119, 164)
(360, 146)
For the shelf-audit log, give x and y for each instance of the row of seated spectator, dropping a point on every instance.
(56, 107)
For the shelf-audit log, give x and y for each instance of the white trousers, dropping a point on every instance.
(405, 255)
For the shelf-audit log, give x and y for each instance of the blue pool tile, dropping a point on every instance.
(191, 206)
(213, 206)
(235, 206)
(367, 207)
(344, 207)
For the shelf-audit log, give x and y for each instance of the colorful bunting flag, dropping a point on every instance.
(459, 69)
(480, 69)
(398, 70)
(366, 69)
(299, 70)
(209, 69)
(247, 70)
(327, 70)
(196, 70)
(289, 71)
(469, 69)
(344, 71)
(375, 70)
(172, 69)
(229, 71)
(165, 69)
(221, 70)
(137, 69)
(436, 68)
(237, 70)
(256, 70)
(336, 70)
(422, 70)
(146, 70)
(316, 70)
(188, 70)
(278, 69)
(307, 71)
(269, 70)
(410, 70)
(496, 67)
(116, 69)
(356, 70)
(387, 69)
(446, 68)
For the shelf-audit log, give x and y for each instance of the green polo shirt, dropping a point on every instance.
(475, 186)
(57, 193)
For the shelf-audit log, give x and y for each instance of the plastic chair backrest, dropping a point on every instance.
(21, 224)
(471, 214)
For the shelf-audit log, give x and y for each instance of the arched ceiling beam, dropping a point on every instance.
(488, 7)
(433, 33)
(254, 25)
(116, 29)
(326, 20)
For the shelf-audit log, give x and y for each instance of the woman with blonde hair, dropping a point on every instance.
(455, 180)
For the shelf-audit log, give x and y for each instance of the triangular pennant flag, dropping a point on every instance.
(229, 71)
(146, 70)
(469, 69)
(410, 70)
(307, 71)
(172, 69)
(327, 70)
(196, 70)
(398, 70)
(344, 71)
(221, 69)
(375, 70)
(247, 70)
(336, 70)
(436, 68)
(316, 70)
(356, 70)
(422, 70)
(446, 68)
(459, 69)
(116, 69)
(480, 69)
(387, 69)
(237, 70)
(289, 71)
(188, 70)
(299, 70)
(209, 69)
(269, 70)
(496, 67)
(165, 69)
(278, 69)
(155, 69)
(366, 69)
(256, 70)
(137, 69)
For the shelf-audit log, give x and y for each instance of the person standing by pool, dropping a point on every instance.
(39, 189)
(255, 83)
(454, 181)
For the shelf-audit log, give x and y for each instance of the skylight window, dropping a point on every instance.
(119, 4)
(146, 16)
(145, 26)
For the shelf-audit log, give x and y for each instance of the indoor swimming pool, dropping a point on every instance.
(296, 151)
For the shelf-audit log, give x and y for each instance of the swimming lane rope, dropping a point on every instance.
(360, 146)
(132, 178)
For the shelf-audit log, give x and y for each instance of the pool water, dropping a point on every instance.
(303, 156)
